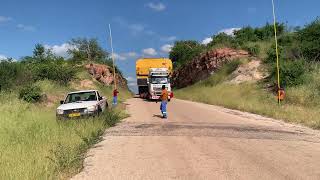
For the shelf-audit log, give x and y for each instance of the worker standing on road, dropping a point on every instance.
(164, 101)
(115, 97)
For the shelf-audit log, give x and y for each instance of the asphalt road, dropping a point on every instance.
(201, 141)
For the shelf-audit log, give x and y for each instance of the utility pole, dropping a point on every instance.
(88, 52)
(277, 51)
(112, 56)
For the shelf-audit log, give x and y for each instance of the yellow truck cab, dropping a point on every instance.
(152, 73)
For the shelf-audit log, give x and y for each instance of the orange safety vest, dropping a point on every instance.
(281, 94)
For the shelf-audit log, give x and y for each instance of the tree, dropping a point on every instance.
(184, 51)
(87, 50)
(39, 52)
(8, 73)
(221, 39)
(267, 32)
(245, 34)
(309, 39)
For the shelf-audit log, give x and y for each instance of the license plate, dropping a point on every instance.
(74, 115)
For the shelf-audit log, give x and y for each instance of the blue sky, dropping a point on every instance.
(140, 27)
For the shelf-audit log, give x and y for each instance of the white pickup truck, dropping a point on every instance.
(81, 104)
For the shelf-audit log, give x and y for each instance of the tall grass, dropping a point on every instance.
(33, 145)
(302, 103)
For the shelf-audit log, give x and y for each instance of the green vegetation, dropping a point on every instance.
(87, 50)
(299, 74)
(30, 93)
(183, 51)
(33, 144)
(247, 38)
(301, 105)
(44, 65)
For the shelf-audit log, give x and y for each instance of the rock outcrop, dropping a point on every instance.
(204, 65)
(104, 74)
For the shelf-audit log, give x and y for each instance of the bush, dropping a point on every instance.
(184, 51)
(222, 40)
(309, 39)
(271, 54)
(290, 46)
(53, 70)
(8, 74)
(253, 49)
(30, 93)
(245, 34)
(292, 73)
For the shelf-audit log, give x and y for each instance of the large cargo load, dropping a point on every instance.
(146, 68)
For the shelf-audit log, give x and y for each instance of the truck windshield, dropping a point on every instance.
(82, 96)
(159, 80)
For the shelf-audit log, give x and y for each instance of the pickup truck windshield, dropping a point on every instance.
(83, 96)
(159, 80)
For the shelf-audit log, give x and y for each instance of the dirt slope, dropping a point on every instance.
(201, 141)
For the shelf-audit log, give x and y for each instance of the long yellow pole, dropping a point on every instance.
(112, 56)
(277, 51)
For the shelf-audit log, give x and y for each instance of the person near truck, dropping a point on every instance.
(164, 101)
(115, 97)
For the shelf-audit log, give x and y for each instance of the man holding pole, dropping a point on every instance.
(115, 97)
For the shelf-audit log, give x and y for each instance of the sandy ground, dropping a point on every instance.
(201, 141)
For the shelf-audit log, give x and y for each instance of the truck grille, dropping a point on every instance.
(142, 82)
(74, 111)
(157, 89)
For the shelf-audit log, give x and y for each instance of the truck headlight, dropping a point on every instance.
(92, 108)
(59, 111)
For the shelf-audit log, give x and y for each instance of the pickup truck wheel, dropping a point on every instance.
(99, 110)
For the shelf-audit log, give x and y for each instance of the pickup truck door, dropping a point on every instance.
(102, 102)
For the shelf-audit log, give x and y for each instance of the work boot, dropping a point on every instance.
(164, 116)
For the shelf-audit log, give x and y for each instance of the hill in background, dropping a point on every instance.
(299, 72)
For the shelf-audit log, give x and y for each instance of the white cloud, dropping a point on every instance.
(132, 84)
(140, 28)
(166, 48)
(149, 52)
(3, 57)
(60, 50)
(156, 6)
(4, 19)
(26, 27)
(119, 57)
(229, 31)
(125, 56)
(206, 40)
(134, 28)
(169, 38)
(131, 54)
(150, 32)
(131, 79)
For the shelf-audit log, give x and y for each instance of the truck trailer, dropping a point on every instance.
(152, 74)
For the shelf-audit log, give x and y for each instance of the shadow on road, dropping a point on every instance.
(158, 116)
